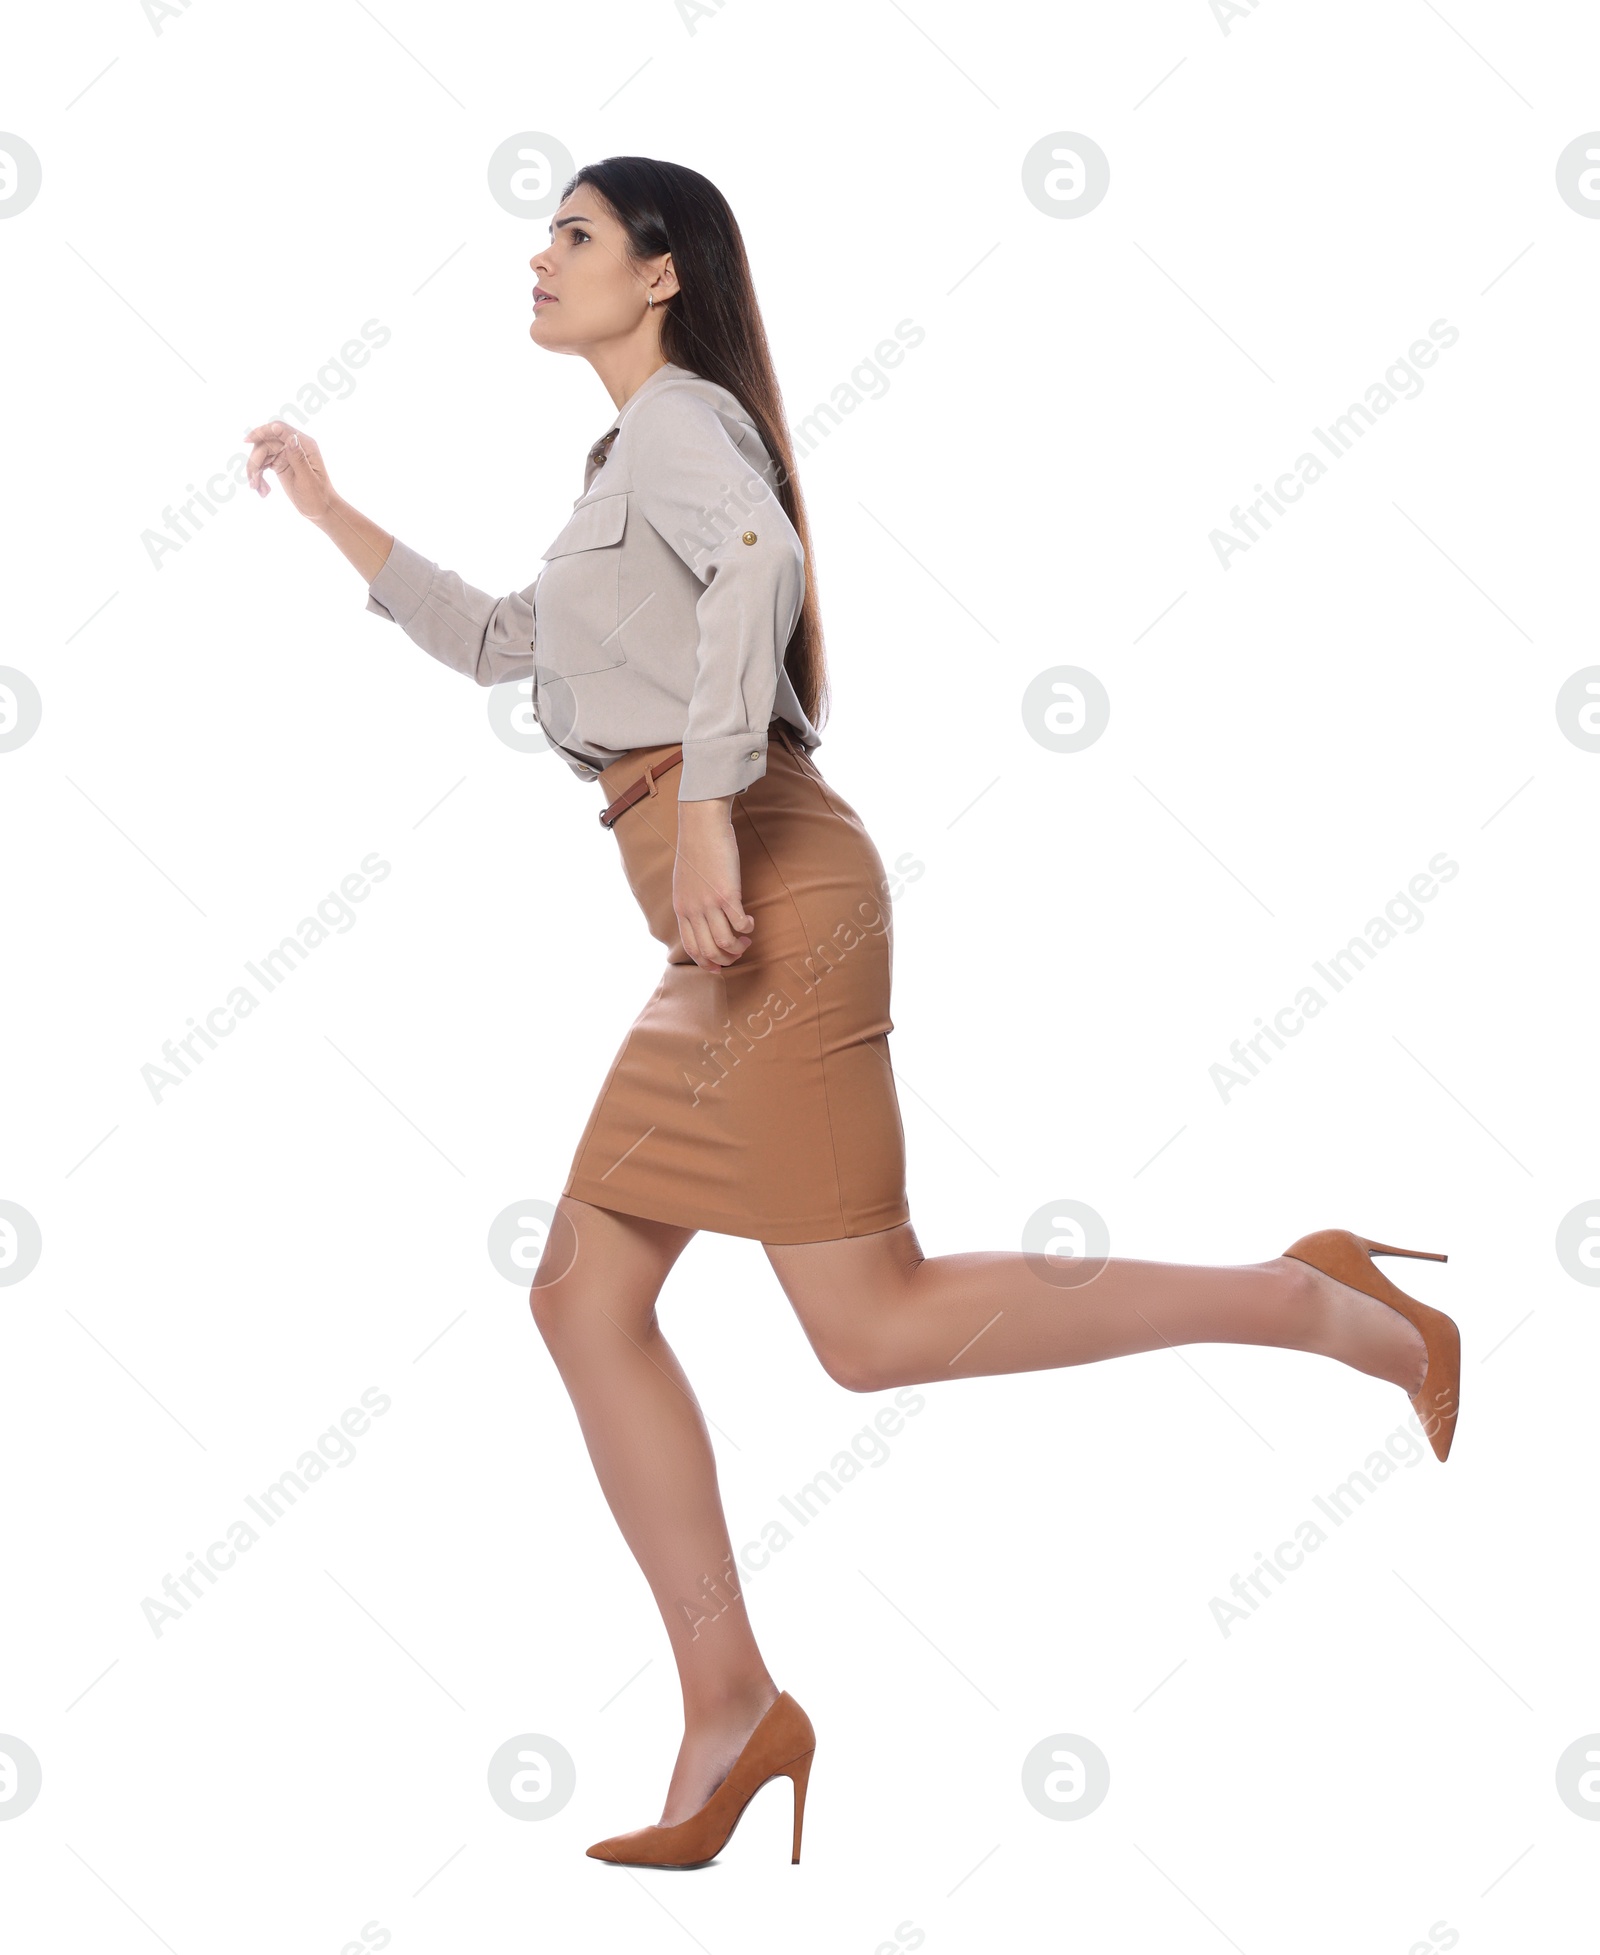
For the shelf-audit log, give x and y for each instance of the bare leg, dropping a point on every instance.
(879, 1313)
(594, 1298)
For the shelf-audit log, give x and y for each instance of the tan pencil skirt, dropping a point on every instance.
(758, 1100)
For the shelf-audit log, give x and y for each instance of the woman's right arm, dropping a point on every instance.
(487, 638)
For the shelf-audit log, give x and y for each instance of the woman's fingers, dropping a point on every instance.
(267, 440)
(296, 459)
(733, 925)
(278, 432)
(264, 455)
(710, 938)
(708, 900)
(718, 924)
(697, 941)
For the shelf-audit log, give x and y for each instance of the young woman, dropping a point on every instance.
(675, 648)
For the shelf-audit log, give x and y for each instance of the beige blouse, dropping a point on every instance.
(665, 605)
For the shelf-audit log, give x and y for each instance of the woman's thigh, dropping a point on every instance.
(840, 1291)
(601, 1266)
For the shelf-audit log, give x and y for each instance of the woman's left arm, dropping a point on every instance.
(706, 889)
(712, 508)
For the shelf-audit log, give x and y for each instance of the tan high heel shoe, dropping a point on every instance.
(780, 1745)
(1348, 1259)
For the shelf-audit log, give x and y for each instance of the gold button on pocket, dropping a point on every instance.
(753, 754)
(749, 536)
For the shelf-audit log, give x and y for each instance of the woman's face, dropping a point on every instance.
(588, 293)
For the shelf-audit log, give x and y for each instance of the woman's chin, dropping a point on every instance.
(544, 332)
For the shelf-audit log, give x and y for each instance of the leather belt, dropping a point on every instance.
(637, 790)
(646, 783)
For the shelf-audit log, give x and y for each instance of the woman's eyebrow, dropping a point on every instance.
(561, 222)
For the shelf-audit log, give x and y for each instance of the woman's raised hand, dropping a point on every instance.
(297, 462)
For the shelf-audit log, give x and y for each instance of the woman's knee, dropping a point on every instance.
(601, 1270)
(859, 1364)
(557, 1281)
(846, 1294)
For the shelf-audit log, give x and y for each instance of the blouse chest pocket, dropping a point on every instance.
(577, 602)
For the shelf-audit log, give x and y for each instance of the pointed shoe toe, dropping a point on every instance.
(780, 1746)
(622, 1848)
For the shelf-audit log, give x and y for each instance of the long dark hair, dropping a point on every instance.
(713, 327)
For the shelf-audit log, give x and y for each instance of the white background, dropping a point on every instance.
(1372, 1754)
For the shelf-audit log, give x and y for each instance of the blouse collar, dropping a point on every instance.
(602, 447)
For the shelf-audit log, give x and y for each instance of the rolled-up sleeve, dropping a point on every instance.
(711, 506)
(487, 638)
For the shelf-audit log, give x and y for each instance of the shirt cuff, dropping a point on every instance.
(725, 765)
(401, 587)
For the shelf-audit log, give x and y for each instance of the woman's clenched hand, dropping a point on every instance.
(712, 920)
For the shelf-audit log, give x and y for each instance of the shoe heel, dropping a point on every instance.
(799, 1770)
(1388, 1249)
